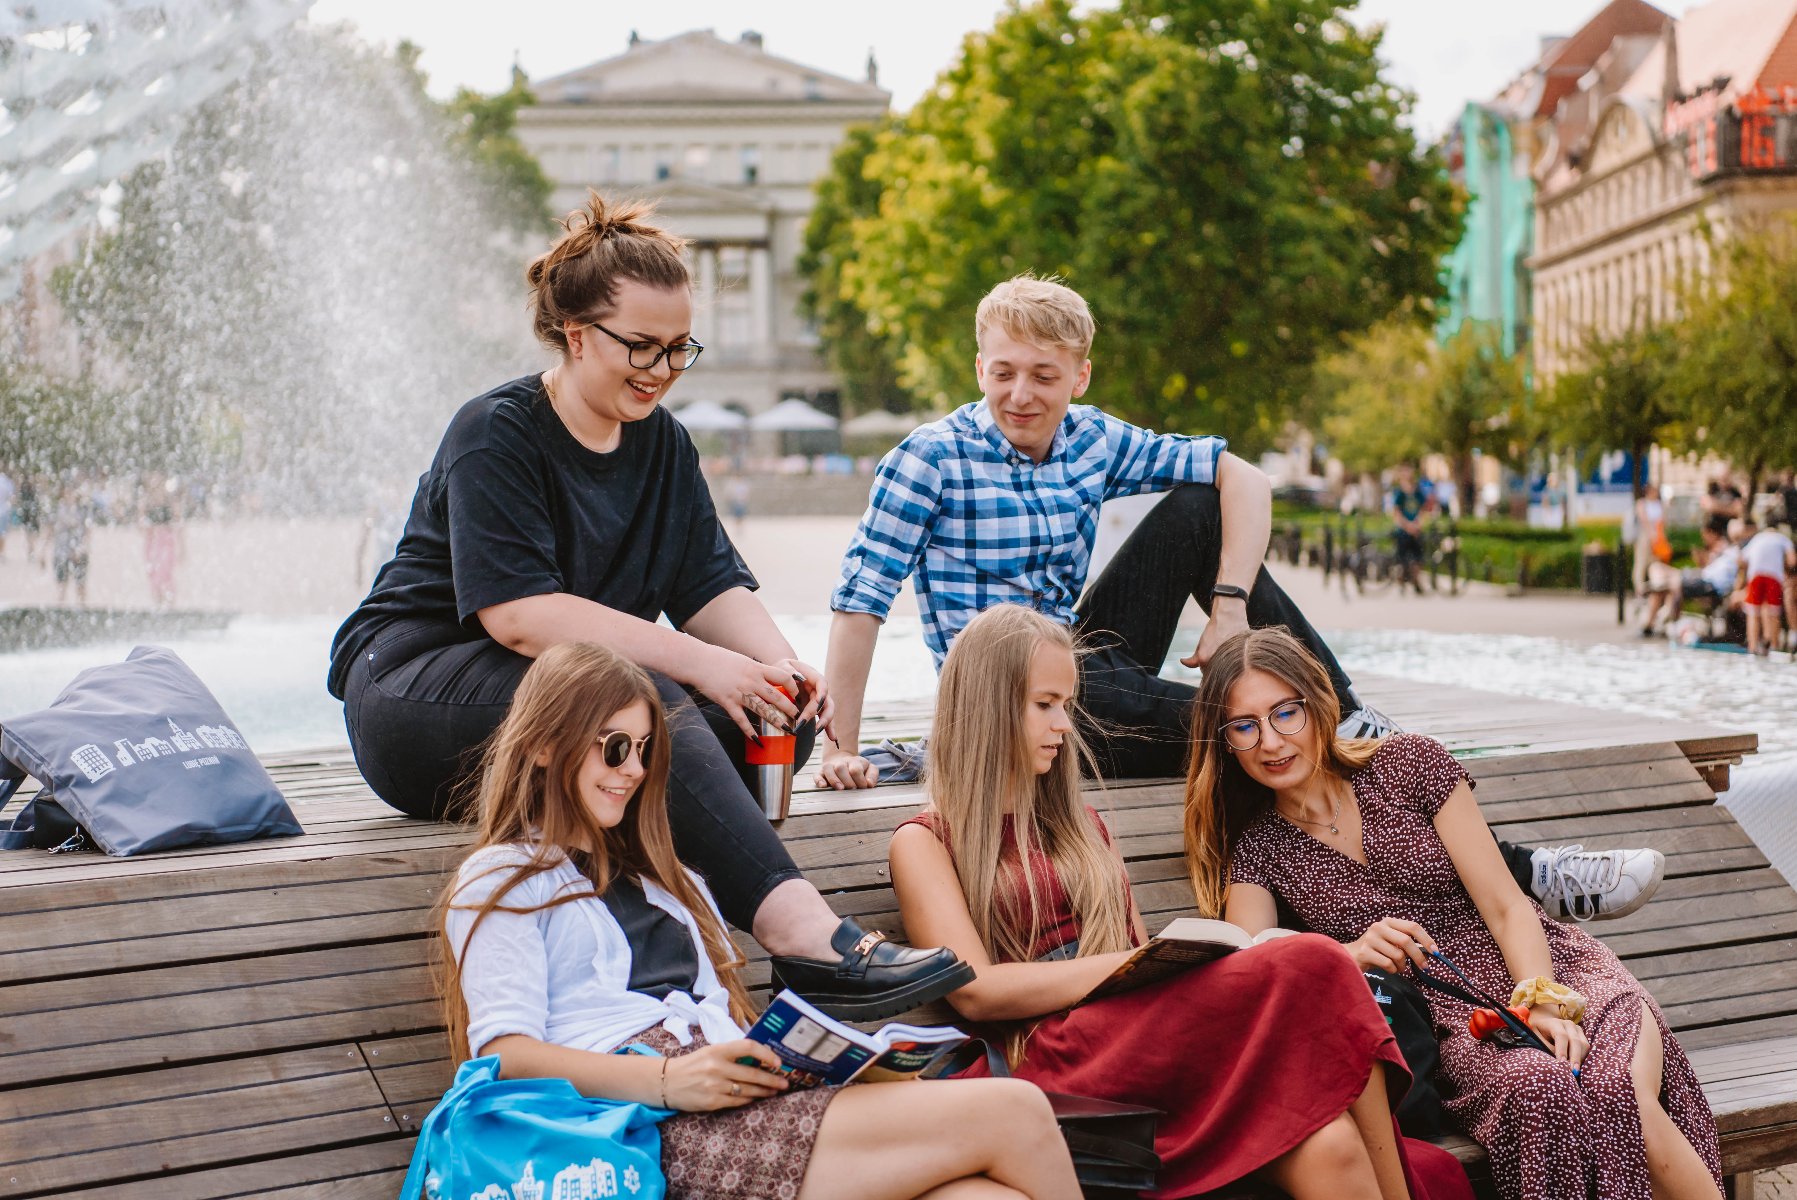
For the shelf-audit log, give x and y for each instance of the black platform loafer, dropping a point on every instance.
(875, 979)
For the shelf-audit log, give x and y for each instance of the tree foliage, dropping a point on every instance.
(1395, 394)
(1226, 181)
(857, 349)
(1733, 371)
(1622, 398)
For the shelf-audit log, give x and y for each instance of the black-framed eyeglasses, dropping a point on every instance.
(680, 355)
(615, 746)
(1243, 733)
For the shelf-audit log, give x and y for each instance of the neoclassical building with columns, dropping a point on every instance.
(728, 140)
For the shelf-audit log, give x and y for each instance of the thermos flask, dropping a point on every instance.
(771, 768)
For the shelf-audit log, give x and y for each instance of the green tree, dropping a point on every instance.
(1227, 182)
(1621, 398)
(487, 131)
(1735, 375)
(1394, 393)
(858, 351)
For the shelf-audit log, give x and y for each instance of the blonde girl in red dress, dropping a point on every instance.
(572, 931)
(1271, 1063)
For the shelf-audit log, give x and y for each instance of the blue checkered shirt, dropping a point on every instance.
(976, 523)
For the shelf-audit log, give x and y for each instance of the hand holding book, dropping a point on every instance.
(814, 1049)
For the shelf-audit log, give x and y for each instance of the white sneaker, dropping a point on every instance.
(1594, 885)
(1366, 722)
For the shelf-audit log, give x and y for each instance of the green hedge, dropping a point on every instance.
(1496, 549)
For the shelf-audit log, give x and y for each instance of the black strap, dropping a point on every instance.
(1471, 994)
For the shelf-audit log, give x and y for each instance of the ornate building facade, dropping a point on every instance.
(729, 141)
(1665, 141)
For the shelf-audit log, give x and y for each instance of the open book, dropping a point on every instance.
(1185, 942)
(814, 1048)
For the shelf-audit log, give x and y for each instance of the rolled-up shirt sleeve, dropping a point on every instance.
(901, 508)
(1145, 461)
(505, 963)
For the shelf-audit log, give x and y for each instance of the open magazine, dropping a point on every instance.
(816, 1049)
(1185, 942)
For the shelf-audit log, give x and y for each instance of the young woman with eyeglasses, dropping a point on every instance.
(1271, 1063)
(1380, 845)
(567, 505)
(573, 932)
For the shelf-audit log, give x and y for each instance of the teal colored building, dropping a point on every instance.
(1486, 275)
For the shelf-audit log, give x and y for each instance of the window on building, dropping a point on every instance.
(606, 163)
(698, 157)
(735, 299)
(751, 163)
(664, 162)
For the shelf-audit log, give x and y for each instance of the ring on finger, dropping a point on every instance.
(736, 1089)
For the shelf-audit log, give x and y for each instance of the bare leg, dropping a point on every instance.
(795, 919)
(972, 1189)
(1330, 1164)
(896, 1141)
(1674, 1168)
(1371, 1114)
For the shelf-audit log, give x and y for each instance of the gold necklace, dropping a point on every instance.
(1334, 816)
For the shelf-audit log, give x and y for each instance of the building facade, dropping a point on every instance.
(729, 141)
(1493, 151)
(1667, 142)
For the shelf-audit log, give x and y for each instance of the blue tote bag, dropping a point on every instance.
(496, 1139)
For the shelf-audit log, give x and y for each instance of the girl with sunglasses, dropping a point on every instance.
(567, 505)
(1381, 846)
(1271, 1063)
(573, 931)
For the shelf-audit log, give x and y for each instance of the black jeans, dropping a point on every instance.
(418, 712)
(1137, 724)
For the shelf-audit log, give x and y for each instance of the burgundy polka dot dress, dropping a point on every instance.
(1549, 1136)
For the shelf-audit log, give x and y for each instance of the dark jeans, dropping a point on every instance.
(1137, 724)
(418, 714)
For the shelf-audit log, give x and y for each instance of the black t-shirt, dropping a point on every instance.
(662, 956)
(514, 506)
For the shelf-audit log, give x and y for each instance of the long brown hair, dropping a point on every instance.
(1222, 800)
(602, 245)
(980, 765)
(560, 707)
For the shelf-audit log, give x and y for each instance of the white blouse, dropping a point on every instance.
(562, 974)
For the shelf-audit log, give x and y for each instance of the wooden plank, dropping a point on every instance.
(227, 924)
(241, 1006)
(370, 1171)
(152, 1123)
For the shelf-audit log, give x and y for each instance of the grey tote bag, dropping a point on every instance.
(139, 756)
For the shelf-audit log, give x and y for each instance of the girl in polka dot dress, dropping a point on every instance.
(1380, 845)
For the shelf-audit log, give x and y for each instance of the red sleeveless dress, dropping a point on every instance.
(1247, 1056)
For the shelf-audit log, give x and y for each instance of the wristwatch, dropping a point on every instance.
(1230, 590)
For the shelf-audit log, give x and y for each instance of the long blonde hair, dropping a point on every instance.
(560, 707)
(980, 764)
(1221, 799)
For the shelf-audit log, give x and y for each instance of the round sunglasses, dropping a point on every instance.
(615, 746)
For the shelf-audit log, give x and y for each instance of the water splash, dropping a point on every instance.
(293, 298)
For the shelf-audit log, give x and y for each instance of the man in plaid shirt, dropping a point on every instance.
(997, 503)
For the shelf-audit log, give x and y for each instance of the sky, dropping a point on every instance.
(1446, 51)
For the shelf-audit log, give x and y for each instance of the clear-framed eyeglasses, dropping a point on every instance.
(1243, 733)
(644, 355)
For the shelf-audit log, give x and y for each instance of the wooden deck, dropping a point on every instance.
(259, 1019)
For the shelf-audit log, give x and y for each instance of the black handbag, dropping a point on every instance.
(1420, 1113)
(1112, 1143)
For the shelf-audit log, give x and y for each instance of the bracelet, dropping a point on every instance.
(664, 1081)
(1543, 990)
